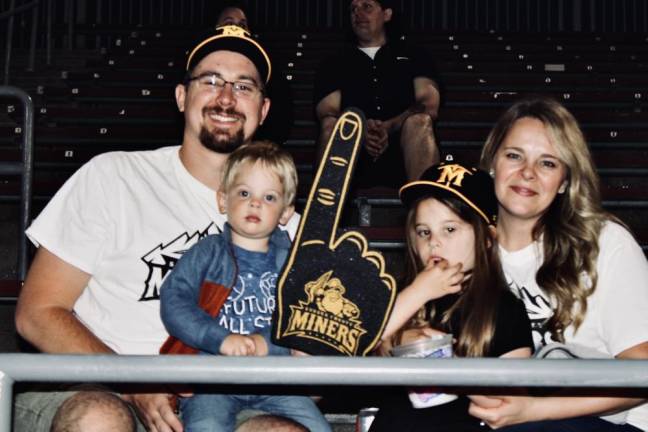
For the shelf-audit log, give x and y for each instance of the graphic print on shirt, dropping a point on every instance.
(539, 311)
(161, 259)
(249, 307)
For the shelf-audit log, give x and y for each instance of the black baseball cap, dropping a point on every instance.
(447, 179)
(231, 38)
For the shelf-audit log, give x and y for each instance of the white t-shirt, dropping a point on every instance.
(126, 218)
(617, 311)
(370, 51)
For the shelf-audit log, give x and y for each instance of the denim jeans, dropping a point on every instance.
(215, 412)
(578, 424)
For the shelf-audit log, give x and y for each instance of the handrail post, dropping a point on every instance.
(6, 392)
(28, 175)
(26, 172)
(9, 42)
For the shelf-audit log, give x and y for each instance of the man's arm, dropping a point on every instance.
(45, 318)
(44, 313)
(427, 99)
(327, 112)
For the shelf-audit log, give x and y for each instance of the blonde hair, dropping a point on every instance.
(571, 225)
(476, 306)
(271, 156)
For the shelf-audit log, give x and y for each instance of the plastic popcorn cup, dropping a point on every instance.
(438, 346)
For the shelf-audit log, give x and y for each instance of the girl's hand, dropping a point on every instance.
(439, 279)
(436, 280)
(412, 335)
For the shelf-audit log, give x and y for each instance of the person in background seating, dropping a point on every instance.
(114, 231)
(233, 14)
(280, 118)
(394, 83)
(580, 273)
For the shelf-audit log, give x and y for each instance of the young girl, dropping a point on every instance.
(455, 286)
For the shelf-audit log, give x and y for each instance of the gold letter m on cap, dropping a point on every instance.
(452, 174)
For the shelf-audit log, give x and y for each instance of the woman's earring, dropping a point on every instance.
(562, 188)
(491, 173)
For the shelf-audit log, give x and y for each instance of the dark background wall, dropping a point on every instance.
(599, 16)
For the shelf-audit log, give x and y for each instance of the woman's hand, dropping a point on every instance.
(500, 411)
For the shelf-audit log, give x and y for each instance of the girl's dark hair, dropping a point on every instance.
(476, 306)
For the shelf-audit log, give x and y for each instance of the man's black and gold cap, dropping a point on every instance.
(231, 38)
(449, 179)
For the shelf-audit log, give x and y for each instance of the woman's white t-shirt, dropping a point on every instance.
(617, 311)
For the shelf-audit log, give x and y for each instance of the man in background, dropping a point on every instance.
(394, 84)
(279, 121)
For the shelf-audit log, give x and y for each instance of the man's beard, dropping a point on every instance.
(217, 140)
(220, 144)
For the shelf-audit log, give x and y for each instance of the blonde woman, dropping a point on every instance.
(581, 274)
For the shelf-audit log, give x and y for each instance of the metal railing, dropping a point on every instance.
(23, 168)
(618, 375)
(10, 15)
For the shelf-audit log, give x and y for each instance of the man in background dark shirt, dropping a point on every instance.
(394, 84)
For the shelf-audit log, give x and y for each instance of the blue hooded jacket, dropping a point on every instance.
(210, 264)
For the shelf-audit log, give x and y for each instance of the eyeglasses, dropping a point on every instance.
(214, 83)
(366, 7)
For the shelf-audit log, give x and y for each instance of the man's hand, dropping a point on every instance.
(377, 138)
(238, 345)
(500, 411)
(156, 411)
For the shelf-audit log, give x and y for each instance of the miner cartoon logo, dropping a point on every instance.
(334, 295)
(327, 316)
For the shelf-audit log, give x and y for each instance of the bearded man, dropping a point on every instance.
(113, 232)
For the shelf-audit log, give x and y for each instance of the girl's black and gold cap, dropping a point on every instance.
(472, 185)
